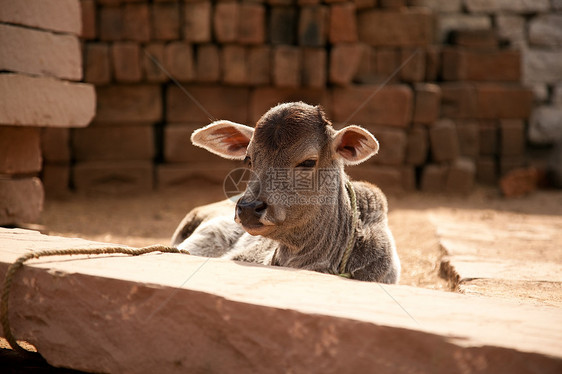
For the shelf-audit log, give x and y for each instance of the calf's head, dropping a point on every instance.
(297, 160)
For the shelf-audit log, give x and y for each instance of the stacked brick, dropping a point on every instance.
(40, 64)
(530, 31)
(372, 63)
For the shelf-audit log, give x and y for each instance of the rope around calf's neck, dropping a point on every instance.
(351, 240)
(8, 279)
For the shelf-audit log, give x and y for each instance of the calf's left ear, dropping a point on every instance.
(354, 144)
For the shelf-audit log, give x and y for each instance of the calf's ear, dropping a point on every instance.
(224, 138)
(354, 144)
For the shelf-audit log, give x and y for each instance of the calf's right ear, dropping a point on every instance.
(224, 138)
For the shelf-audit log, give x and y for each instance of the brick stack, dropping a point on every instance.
(238, 58)
(534, 29)
(40, 62)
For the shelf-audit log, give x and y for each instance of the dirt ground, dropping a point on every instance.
(151, 219)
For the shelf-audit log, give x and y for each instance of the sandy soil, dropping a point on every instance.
(152, 218)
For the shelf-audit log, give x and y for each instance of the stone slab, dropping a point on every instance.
(55, 15)
(42, 101)
(45, 53)
(178, 313)
(484, 254)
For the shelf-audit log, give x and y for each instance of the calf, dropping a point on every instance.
(299, 208)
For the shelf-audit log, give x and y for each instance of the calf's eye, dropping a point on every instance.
(307, 164)
(248, 161)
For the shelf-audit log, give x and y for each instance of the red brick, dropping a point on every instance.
(365, 4)
(481, 65)
(178, 175)
(460, 177)
(165, 21)
(392, 143)
(519, 182)
(119, 178)
(286, 66)
(487, 170)
(282, 25)
(344, 62)
(115, 143)
(413, 27)
(55, 145)
(225, 22)
(55, 103)
(45, 53)
(308, 2)
(178, 60)
(263, 99)
(54, 15)
(56, 180)
(444, 141)
(313, 26)
(432, 63)
(512, 137)
(279, 2)
(126, 61)
(220, 102)
(97, 67)
(110, 24)
(482, 39)
(343, 26)
(178, 147)
(417, 146)
(20, 150)
(502, 101)
(197, 26)
(388, 178)
(469, 139)
(392, 4)
(129, 104)
(388, 60)
(458, 100)
(391, 106)
(89, 30)
(509, 163)
(136, 22)
(153, 70)
(251, 27)
(414, 68)
(367, 69)
(427, 103)
(488, 138)
(21, 201)
(409, 182)
(208, 63)
(433, 178)
(234, 65)
(314, 67)
(259, 65)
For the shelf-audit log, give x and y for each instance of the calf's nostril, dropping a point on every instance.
(260, 207)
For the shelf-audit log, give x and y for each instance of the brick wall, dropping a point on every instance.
(455, 113)
(40, 97)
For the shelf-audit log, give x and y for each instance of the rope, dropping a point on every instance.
(351, 240)
(12, 270)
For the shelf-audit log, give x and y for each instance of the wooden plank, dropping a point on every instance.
(171, 313)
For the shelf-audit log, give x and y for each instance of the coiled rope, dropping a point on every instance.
(12, 270)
